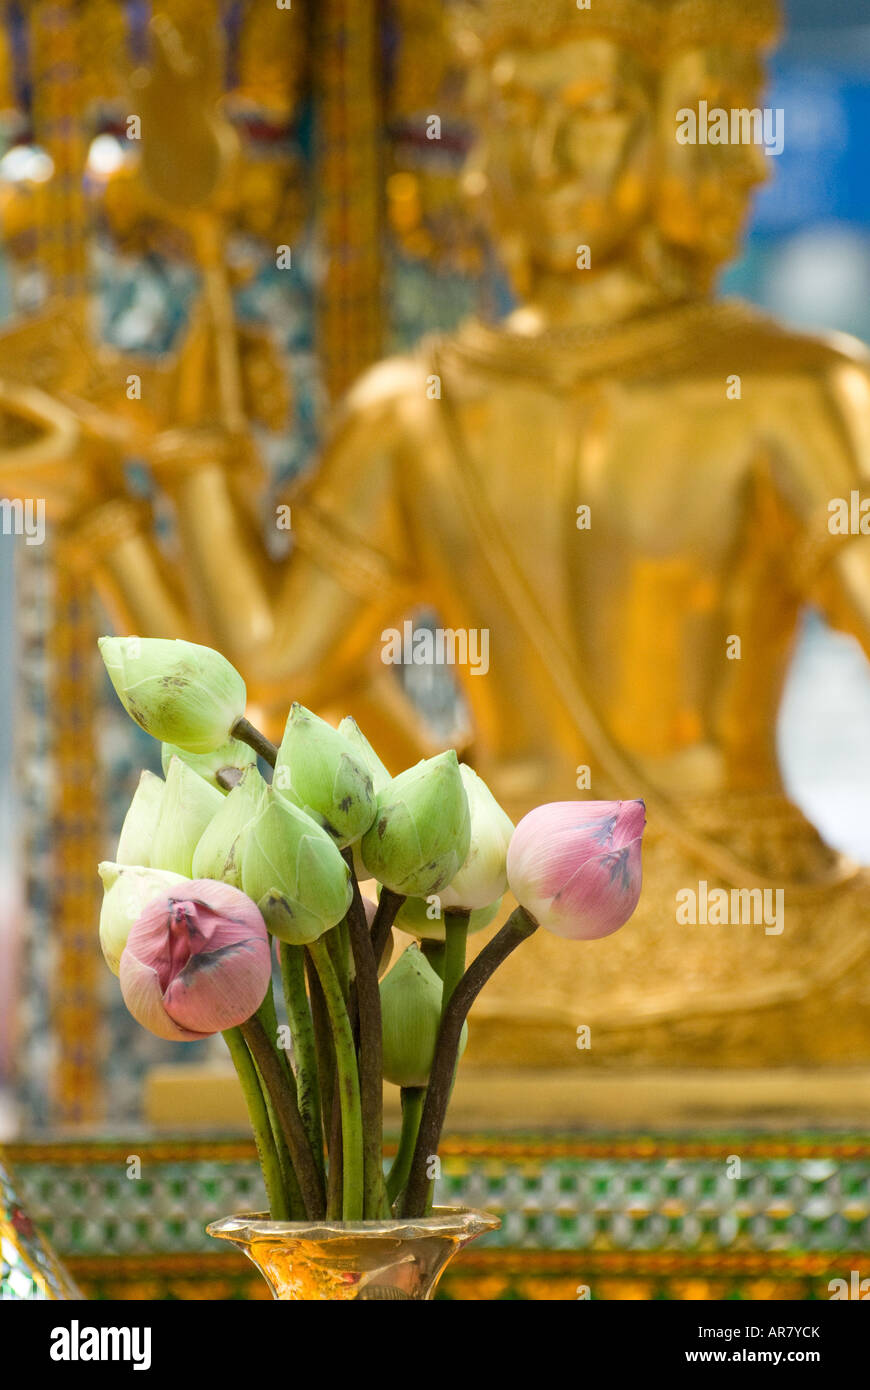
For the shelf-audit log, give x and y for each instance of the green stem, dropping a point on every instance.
(283, 1092)
(338, 942)
(412, 1110)
(348, 1083)
(288, 1172)
(292, 960)
(455, 942)
(339, 950)
(324, 1049)
(335, 1185)
(518, 927)
(434, 953)
(279, 1206)
(268, 1018)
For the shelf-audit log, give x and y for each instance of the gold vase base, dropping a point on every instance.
(372, 1260)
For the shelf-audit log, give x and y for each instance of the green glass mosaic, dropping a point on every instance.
(545, 1203)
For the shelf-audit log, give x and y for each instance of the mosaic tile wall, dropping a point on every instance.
(659, 1214)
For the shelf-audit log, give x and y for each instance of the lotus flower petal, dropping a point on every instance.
(197, 961)
(576, 865)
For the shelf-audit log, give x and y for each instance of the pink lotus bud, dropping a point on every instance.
(575, 865)
(196, 962)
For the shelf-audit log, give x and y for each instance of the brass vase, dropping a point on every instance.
(381, 1260)
(29, 1268)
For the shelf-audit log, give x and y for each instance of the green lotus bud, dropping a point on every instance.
(188, 805)
(483, 877)
(411, 1014)
(293, 871)
(231, 758)
(320, 771)
(128, 891)
(424, 917)
(178, 692)
(378, 773)
(364, 751)
(422, 830)
(140, 822)
(217, 853)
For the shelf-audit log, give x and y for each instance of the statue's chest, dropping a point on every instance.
(654, 469)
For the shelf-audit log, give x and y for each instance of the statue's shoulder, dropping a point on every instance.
(391, 395)
(736, 332)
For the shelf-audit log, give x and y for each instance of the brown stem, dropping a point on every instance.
(371, 1066)
(516, 929)
(289, 1118)
(388, 907)
(381, 928)
(244, 730)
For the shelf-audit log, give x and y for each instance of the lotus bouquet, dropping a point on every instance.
(217, 868)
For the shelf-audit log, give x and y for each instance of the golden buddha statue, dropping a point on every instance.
(625, 485)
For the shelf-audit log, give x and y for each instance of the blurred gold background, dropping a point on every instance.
(452, 475)
(329, 257)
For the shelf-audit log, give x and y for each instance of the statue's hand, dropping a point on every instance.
(45, 454)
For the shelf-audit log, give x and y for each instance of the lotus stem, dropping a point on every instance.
(388, 907)
(412, 1111)
(244, 730)
(324, 1049)
(519, 926)
(273, 1178)
(348, 1084)
(371, 1064)
(338, 941)
(455, 944)
(283, 1093)
(434, 953)
(288, 1172)
(335, 1182)
(292, 961)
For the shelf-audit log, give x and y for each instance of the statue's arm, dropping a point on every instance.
(58, 455)
(830, 461)
(308, 619)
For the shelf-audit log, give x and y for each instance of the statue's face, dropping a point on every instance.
(703, 190)
(568, 141)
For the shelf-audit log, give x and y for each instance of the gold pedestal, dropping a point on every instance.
(786, 1099)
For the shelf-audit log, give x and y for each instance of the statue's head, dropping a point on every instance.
(564, 103)
(714, 52)
(576, 114)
